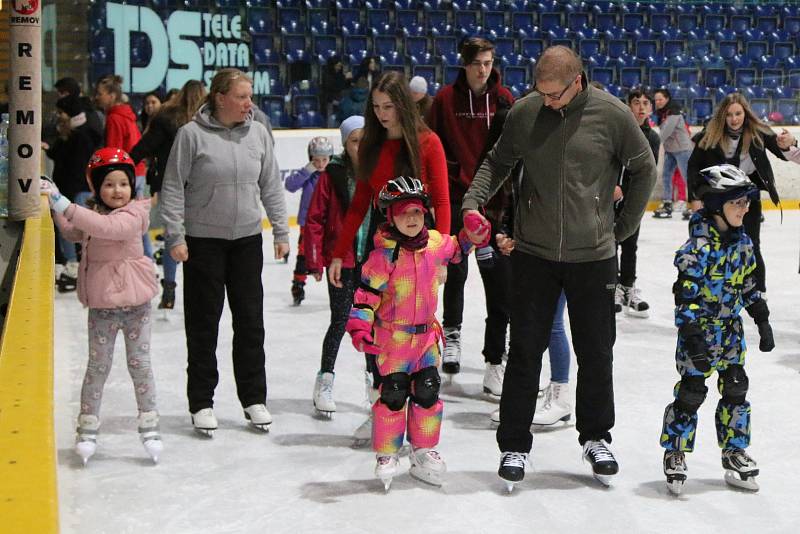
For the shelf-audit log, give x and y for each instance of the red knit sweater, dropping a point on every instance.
(434, 174)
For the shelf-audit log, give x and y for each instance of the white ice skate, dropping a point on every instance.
(386, 468)
(555, 406)
(204, 422)
(633, 303)
(451, 357)
(740, 470)
(604, 465)
(512, 468)
(493, 380)
(258, 416)
(427, 465)
(363, 434)
(675, 470)
(149, 434)
(86, 441)
(323, 395)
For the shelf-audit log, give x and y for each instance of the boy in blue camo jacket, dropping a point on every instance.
(715, 281)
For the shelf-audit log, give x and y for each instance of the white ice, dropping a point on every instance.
(304, 476)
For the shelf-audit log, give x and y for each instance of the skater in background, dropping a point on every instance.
(736, 136)
(116, 283)
(150, 107)
(221, 170)
(393, 317)
(627, 295)
(155, 144)
(677, 148)
(716, 279)
(324, 220)
(320, 150)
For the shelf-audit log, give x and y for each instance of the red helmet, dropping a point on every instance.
(105, 160)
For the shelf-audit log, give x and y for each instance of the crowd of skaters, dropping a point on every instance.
(554, 198)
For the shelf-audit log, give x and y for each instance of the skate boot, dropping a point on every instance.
(664, 211)
(604, 466)
(512, 468)
(168, 296)
(452, 350)
(363, 434)
(556, 406)
(494, 417)
(675, 470)
(68, 279)
(258, 416)
(740, 470)
(204, 422)
(427, 465)
(619, 298)
(323, 395)
(493, 379)
(298, 292)
(686, 214)
(386, 468)
(86, 441)
(633, 303)
(149, 434)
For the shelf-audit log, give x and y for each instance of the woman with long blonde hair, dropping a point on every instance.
(735, 135)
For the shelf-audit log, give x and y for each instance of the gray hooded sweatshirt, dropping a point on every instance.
(214, 179)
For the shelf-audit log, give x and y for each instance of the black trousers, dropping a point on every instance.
(217, 267)
(627, 259)
(496, 287)
(589, 288)
(752, 227)
(341, 300)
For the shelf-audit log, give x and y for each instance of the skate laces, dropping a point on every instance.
(738, 456)
(633, 297)
(514, 459)
(385, 460)
(598, 451)
(676, 460)
(548, 396)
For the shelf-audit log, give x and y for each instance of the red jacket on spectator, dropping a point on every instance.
(324, 224)
(122, 132)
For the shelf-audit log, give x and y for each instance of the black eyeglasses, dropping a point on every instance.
(553, 96)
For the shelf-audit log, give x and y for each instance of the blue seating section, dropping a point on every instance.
(700, 51)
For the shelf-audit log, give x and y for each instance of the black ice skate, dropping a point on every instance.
(298, 292)
(675, 470)
(740, 470)
(664, 211)
(168, 296)
(512, 468)
(604, 466)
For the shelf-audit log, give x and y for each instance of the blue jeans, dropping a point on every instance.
(146, 243)
(68, 247)
(559, 345)
(672, 160)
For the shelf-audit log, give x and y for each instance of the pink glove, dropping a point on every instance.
(477, 225)
(362, 341)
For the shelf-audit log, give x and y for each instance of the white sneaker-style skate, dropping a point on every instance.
(86, 440)
(149, 434)
(323, 395)
(258, 416)
(363, 434)
(493, 379)
(204, 422)
(386, 468)
(604, 465)
(555, 406)
(512, 468)
(633, 303)
(619, 299)
(451, 359)
(740, 470)
(675, 470)
(427, 465)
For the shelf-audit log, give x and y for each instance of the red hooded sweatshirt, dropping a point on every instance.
(122, 132)
(462, 119)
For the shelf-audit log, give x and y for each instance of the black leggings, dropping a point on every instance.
(341, 300)
(752, 227)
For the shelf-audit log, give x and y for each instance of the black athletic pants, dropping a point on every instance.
(752, 227)
(627, 259)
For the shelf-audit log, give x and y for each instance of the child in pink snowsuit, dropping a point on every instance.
(393, 317)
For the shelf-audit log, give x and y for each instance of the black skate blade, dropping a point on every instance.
(742, 481)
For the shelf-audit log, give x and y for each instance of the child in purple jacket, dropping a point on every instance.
(116, 282)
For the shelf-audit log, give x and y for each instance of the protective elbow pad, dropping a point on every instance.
(425, 387)
(394, 390)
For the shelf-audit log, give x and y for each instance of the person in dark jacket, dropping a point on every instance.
(94, 119)
(354, 101)
(735, 135)
(150, 106)
(461, 115)
(334, 82)
(156, 144)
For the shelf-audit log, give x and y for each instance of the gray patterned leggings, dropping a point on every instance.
(104, 323)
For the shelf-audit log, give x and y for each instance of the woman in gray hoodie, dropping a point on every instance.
(220, 165)
(678, 147)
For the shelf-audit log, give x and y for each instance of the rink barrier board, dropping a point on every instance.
(28, 486)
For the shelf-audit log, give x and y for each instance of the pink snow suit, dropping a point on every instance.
(397, 301)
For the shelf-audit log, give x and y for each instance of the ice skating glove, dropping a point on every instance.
(696, 347)
(58, 202)
(767, 342)
(363, 342)
(480, 227)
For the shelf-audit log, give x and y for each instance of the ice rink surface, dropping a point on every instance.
(305, 476)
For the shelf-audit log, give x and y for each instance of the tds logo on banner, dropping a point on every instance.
(176, 40)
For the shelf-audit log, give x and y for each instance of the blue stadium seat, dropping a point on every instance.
(672, 48)
(550, 21)
(493, 5)
(262, 51)
(756, 49)
(260, 21)
(494, 20)
(405, 19)
(771, 78)
(630, 77)
(309, 119)
(792, 25)
(767, 24)
(761, 107)
(715, 77)
(700, 48)
(384, 44)
(646, 48)
(515, 76)
(660, 21)
(259, 3)
(744, 77)
(589, 47)
(518, 60)
(451, 72)
(788, 108)
(702, 109)
(532, 48)
(290, 20)
(739, 62)
(632, 21)
(426, 71)
(617, 47)
(438, 22)
(272, 105)
(728, 49)
(782, 50)
(415, 46)
(355, 48)
(523, 24)
(688, 76)
(660, 76)
(324, 46)
(604, 75)
(687, 22)
(305, 103)
(450, 58)
(466, 21)
(444, 45)
(605, 21)
(378, 21)
(407, 4)
(714, 22)
(393, 59)
(740, 23)
(349, 4)
(577, 20)
(290, 44)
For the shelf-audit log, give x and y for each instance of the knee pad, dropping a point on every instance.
(394, 390)
(425, 390)
(733, 384)
(691, 393)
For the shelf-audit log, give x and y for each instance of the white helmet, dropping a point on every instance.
(723, 183)
(320, 146)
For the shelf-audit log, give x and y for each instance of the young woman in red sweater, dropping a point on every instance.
(396, 143)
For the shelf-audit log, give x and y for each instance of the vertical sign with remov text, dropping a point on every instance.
(25, 93)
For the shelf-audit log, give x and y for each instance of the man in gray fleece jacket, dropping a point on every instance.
(221, 169)
(572, 140)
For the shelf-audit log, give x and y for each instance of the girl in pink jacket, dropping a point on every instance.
(393, 317)
(116, 282)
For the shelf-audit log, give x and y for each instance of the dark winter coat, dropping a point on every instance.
(624, 179)
(70, 157)
(353, 103)
(155, 144)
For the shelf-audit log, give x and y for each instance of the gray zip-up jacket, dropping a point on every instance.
(214, 179)
(571, 160)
